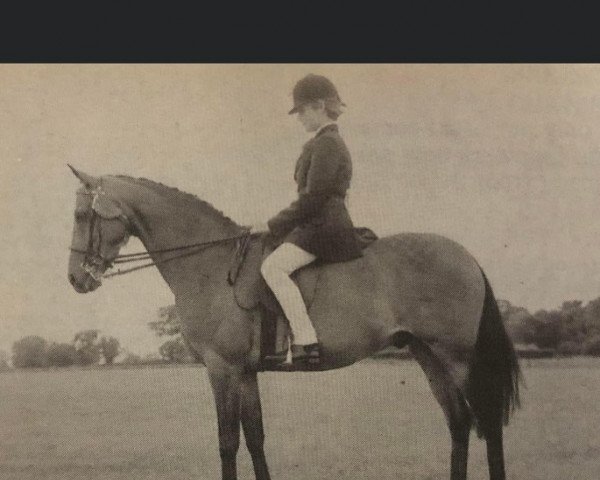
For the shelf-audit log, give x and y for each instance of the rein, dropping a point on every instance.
(140, 256)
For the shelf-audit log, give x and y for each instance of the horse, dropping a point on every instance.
(415, 290)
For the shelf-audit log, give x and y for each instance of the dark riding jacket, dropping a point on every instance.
(318, 221)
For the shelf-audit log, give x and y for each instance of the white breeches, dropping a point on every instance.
(276, 270)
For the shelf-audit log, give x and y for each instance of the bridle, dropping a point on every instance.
(95, 264)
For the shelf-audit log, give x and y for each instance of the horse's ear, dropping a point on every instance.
(87, 180)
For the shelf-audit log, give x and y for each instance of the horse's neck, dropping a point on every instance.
(163, 222)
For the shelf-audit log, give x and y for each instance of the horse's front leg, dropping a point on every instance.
(253, 425)
(225, 380)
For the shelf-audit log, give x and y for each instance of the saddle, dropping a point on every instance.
(252, 292)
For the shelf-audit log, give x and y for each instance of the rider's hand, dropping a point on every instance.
(259, 228)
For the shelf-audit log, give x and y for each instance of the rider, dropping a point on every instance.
(317, 225)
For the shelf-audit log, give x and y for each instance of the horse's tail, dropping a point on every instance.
(493, 384)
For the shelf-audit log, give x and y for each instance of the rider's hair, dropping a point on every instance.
(333, 107)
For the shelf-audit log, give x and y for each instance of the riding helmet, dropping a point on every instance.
(311, 88)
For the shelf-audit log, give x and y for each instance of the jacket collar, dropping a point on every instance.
(327, 128)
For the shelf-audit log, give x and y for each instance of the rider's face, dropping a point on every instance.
(312, 116)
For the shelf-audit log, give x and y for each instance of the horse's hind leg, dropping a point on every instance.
(495, 453)
(452, 401)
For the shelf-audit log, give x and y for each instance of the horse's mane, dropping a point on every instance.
(190, 199)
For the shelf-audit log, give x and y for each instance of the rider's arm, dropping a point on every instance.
(321, 182)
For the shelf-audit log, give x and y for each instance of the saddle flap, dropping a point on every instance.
(251, 291)
(249, 286)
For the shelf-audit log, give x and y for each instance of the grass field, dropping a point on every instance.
(374, 420)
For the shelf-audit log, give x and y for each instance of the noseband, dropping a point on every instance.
(95, 264)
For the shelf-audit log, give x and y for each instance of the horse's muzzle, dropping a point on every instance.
(84, 284)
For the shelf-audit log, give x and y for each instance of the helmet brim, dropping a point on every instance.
(297, 107)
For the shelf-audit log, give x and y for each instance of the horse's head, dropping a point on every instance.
(100, 230)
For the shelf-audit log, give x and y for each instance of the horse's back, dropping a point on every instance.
(427, 262)
(424, 284)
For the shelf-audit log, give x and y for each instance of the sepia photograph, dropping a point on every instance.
(299, 271)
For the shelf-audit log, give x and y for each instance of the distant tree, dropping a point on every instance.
(519, 322)
(61, 355)
(30, 351)
(131, 359)
(547, 328)
(175, 351)
(153, 358)
(4, 361)
(572, 329)
(592, 346)
(87, 347)
(572, 321)
(569, 347)
(110, 348)
(168, 323)
(591, 317)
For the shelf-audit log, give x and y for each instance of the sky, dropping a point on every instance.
(501, 158)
